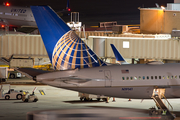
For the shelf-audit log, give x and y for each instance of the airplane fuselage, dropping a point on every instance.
(16, 16)
(124, 81)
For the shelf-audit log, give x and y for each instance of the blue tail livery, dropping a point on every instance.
(65, 49)
(118, 56)
(68, 7)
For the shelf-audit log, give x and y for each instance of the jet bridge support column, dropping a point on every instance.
(99, 46)
(6, 29)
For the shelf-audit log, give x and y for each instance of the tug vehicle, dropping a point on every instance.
(11, 94)
(30, 97)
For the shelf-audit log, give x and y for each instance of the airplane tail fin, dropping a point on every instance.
(118, 56)
(65, 49)
(68, 7)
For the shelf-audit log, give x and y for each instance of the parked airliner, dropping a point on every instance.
(80, 69)
(14, 16)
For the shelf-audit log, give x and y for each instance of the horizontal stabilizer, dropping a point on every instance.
(31, 72)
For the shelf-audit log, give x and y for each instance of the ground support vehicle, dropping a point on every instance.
(14, 74)
(11, 94)
(87, 97)
(30, 97)
(3, 74)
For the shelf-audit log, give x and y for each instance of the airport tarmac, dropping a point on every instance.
(67, 105)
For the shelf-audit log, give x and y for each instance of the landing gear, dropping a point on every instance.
(98, 99)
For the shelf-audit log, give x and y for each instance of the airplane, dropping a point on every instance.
(66, 11)
(13, 16)
(121, 60)
(78, 68)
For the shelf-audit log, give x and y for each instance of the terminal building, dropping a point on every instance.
(158, 40)
(160, 20)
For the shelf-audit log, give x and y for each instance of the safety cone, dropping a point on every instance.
(114, 99)
(107, 100)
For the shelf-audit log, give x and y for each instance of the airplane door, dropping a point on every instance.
(108, 80)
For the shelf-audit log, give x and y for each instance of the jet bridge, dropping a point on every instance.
(157, 96)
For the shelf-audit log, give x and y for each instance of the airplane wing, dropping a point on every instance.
(73, 80)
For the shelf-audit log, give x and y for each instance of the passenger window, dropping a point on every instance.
(167, 77)
(143, 77)
(127, 78)
(135, 78)
(163, 77)
(159, 77)
(8, 13)
(131, 78)
(175, 76)
(139, 77)
(151, 77)
(147, 77)
(155, 77)
(123, 78)
(171, 77)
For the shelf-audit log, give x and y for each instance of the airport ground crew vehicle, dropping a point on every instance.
(11, 94)
(30, 97)
(87, 97)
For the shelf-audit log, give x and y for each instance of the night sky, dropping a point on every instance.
(94, 11)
